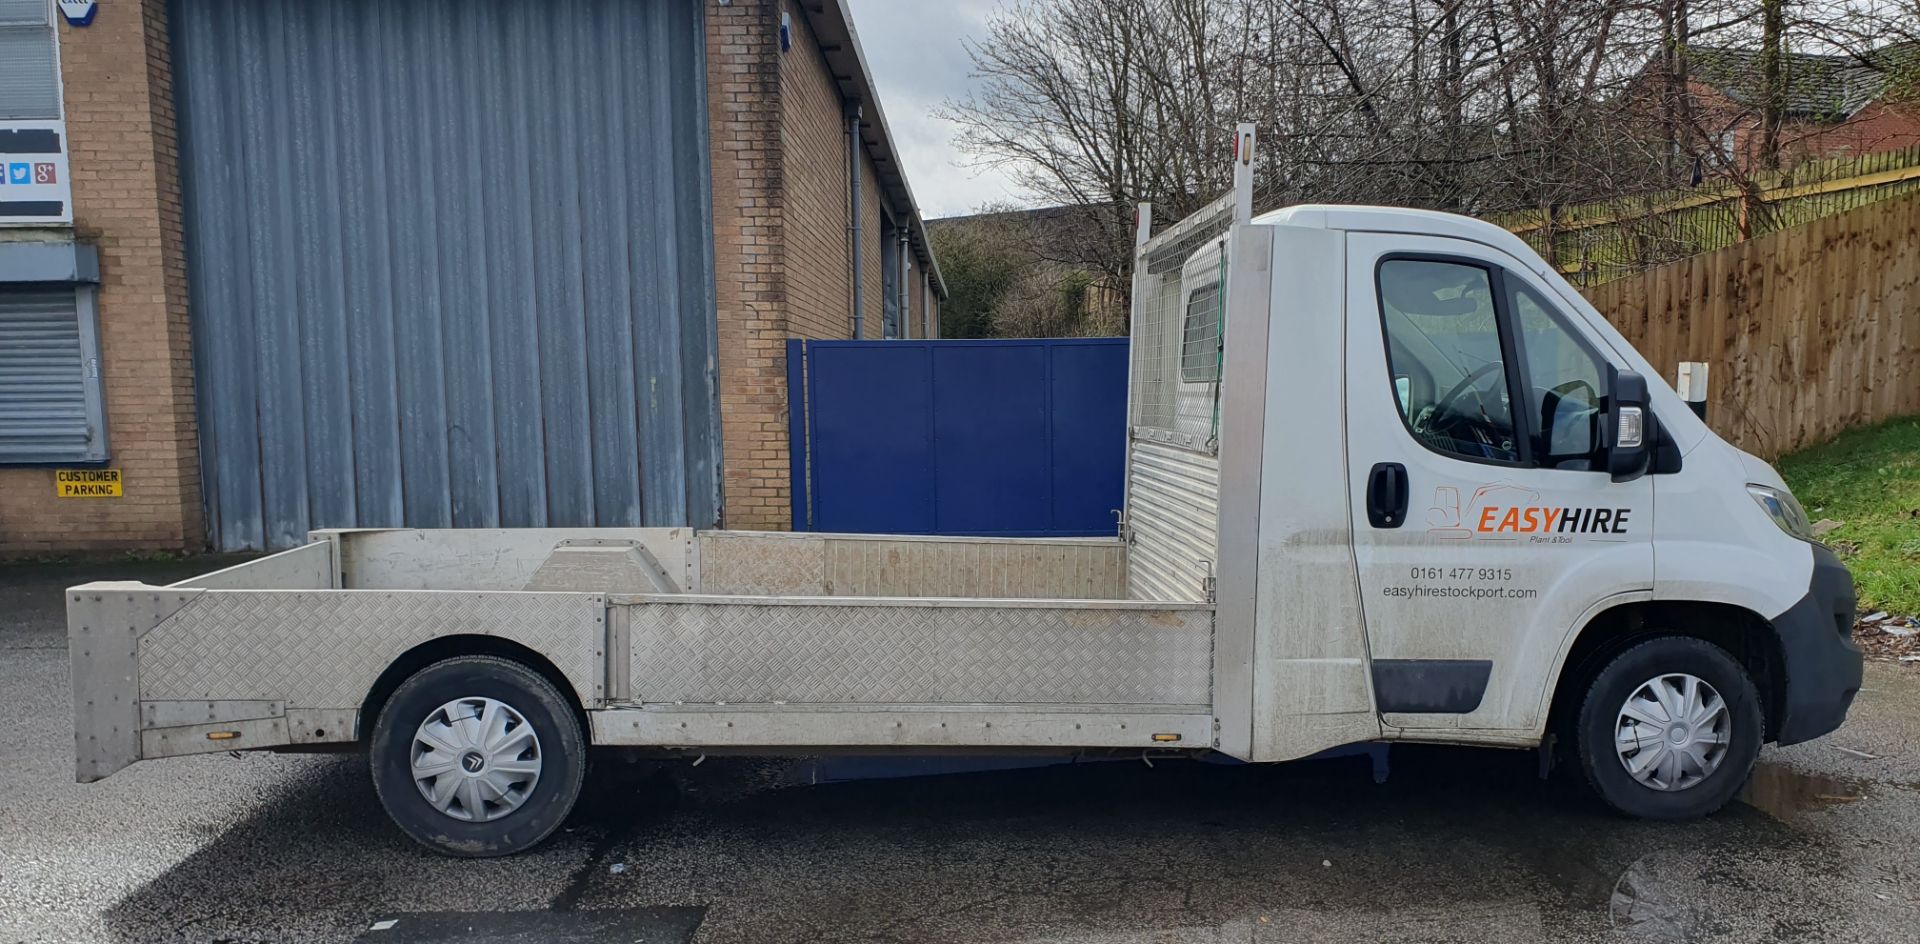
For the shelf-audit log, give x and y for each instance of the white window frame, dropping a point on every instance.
(52, 24)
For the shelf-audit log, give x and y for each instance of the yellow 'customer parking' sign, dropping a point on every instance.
(86, 483)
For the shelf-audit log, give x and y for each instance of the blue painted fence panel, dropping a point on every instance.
(1007, 438)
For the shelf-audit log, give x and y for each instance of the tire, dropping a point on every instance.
(530, 727)
(1672, 789)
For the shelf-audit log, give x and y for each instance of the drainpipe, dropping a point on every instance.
(853, 214)
(903, 277)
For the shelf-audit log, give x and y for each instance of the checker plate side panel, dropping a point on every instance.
(325, 649)
(888, 653)
(774, 566)
(760, 564)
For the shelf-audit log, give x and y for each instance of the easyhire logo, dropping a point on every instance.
(1503, 512)
(1533, 519)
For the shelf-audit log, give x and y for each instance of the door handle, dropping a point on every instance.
(1387, 495)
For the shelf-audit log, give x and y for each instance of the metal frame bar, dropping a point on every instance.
(1236, 205)
(1243, 147)
(1243, 433)
(972, 603)
(904, 726)
(1142, 234)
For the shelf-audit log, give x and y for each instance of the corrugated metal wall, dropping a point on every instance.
(451, 263)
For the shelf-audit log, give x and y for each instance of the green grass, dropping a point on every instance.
(1868, 480)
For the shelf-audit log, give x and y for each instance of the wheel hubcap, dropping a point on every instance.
(476, 759)
(1673, 732)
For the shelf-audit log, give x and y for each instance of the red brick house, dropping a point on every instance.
(1835, 105)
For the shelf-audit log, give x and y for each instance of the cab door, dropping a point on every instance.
(1486, 527)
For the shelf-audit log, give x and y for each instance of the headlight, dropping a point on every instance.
(1784, 509)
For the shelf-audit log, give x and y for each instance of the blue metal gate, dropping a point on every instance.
(1009, 438)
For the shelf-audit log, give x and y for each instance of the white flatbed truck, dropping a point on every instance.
(1389, 479)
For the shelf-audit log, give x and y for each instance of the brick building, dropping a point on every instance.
(441, 263)
(1832, 105)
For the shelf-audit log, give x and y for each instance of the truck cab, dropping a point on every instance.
(1455, 505)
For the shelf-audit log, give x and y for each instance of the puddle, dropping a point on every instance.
(1662, 896)
(664, 925)
(1648, 899)
(1782, 792)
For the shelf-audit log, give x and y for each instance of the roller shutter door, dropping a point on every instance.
(49, 377)
(450, 263)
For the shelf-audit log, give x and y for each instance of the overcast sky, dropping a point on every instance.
(914, 49)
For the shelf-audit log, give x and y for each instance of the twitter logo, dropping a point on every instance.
(18, 174)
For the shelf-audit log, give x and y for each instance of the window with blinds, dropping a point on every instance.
(50, 397)
(29, 67)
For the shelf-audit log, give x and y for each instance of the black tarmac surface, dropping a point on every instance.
(1459, 845)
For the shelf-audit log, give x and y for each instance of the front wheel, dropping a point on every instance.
(477, 756)
(1669, 729)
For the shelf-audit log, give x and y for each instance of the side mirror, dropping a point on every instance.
(1629, 429)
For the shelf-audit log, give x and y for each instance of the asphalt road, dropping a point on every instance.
(1459, 845)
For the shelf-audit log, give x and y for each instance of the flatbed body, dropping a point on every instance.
(713, 640)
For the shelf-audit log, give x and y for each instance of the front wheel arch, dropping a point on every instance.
(1747, 636)
(448, 647)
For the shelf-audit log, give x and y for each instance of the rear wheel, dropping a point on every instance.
(1669, 729)
(478, 756)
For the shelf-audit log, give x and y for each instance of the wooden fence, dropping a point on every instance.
(1810, 330)
(1598, 242)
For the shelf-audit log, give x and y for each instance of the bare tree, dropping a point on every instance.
(1475, 106)
(1773, 53)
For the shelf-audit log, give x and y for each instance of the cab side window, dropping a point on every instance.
(1445, 356)
(1200, 336)
(1565, 384)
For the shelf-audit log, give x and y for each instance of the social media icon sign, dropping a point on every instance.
(45, 174)
(19, 173)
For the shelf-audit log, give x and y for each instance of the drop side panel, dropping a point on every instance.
(1023, 671)
(759, 563)
(158, 669)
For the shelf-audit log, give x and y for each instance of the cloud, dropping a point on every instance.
(915, 49)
